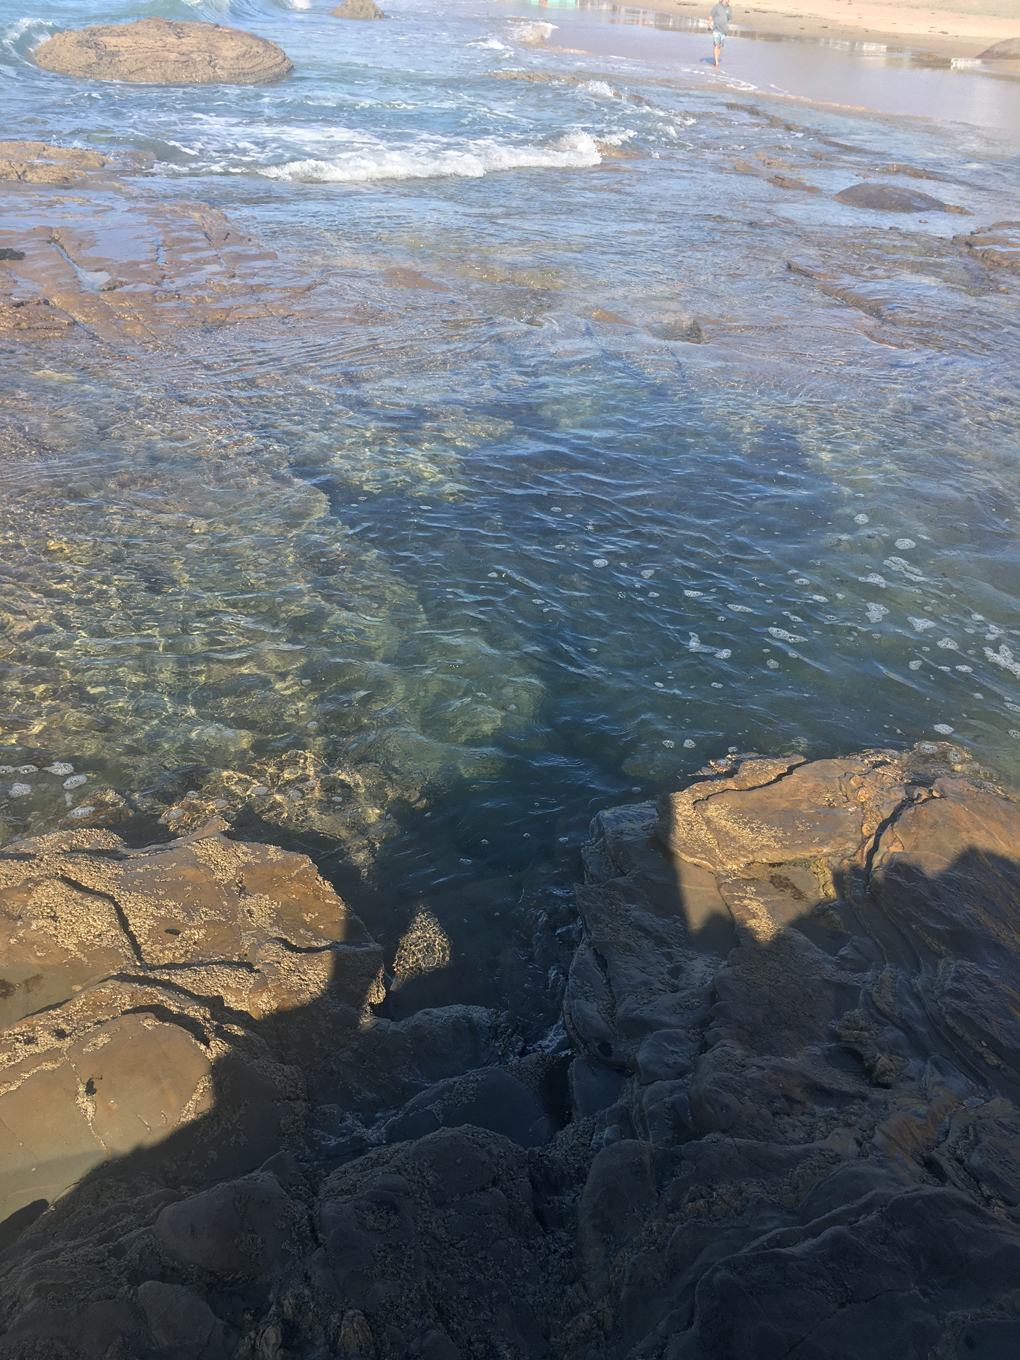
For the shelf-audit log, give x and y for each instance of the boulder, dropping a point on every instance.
(1007, 50)
(164, 52)
(358, 9)
(891, 198)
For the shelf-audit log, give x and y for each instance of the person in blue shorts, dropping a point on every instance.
(720, 21)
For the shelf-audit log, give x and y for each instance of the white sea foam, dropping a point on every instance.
(423, 160)
(492, 44)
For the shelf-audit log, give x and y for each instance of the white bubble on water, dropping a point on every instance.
(860, 519)
(80, 812)
(876, 612)
(772, 665)
(784, 636)
(600, 562)
(905, 544)
(1014, 734)
(944, 728)
(76, 781)
(694, 594)
(557, 509)
(669, 744)
(921, 625)
(1004, 658)
(967, 670)
(653, 594)
(493, 573)
(28, 769)
(659, 685)
(20, 790)
(724, 654)
(948, 645)
(822, 599)
(689, 744)
(873, 579)
(740, 608)
(802, 581)
(648, 575)
(914, 665)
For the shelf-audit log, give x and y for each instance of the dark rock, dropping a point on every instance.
(891, 198)
(489, 1099)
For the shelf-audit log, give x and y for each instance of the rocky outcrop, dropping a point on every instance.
(779, 1119)
(358, 9)
(188, 266)
(997, 245)
(892, 198)
(1007, 50)
(164, 52)
(39, 163)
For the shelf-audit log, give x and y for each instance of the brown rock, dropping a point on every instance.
(892, 198)
(358, 9)
(998, 244)
(164, 52)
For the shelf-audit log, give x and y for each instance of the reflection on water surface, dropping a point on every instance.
(479, 539)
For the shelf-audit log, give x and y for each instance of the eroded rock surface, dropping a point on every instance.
(164, 52)
(780, 1120)
(119, 267)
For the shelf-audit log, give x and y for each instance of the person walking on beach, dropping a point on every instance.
(720, 21)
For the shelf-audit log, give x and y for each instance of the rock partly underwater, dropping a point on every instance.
(779, 1117)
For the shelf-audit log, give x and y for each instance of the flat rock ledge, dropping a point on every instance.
(164, 52)
(778, 1117)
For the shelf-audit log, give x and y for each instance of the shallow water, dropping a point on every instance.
(423, 581)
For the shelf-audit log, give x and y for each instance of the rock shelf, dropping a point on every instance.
(779, 1119)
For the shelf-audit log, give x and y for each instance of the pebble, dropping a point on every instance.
(259, 790)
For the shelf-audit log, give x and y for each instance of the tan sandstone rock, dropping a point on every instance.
(164, 52)
(358, 9)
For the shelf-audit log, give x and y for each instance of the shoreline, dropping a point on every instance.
(944, 32)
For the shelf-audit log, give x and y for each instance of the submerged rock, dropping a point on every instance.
(891, 198)
(784, 1119)
(164, 52)
(998, 245)
(358, 9)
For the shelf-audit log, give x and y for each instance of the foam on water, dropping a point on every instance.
(428, 157)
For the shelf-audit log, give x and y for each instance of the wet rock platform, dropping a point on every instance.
(779, 1117)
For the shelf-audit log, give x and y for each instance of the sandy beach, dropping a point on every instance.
(959, 28)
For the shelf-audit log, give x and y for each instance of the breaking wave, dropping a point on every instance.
(471, 159)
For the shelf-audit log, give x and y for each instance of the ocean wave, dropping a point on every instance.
(20, 39)
(472, 160)
(491, 44)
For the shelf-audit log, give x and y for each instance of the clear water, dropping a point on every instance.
(424, 581)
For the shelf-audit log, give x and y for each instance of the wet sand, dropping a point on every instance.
(959, 28)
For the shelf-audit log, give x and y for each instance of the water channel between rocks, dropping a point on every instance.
(552, 481)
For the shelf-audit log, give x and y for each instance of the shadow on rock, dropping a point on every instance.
(789, 1127)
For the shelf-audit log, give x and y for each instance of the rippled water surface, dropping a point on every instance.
(494, 534)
